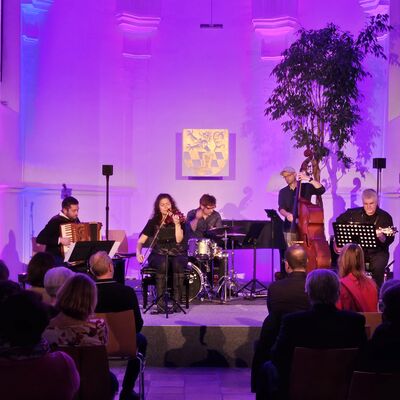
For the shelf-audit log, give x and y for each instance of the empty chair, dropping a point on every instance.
(321, 373)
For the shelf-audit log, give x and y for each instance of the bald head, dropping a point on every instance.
(101, 265)
(296, 257)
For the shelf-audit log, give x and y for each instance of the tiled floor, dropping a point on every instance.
(193, 383)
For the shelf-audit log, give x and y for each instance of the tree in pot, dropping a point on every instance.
(317, 88)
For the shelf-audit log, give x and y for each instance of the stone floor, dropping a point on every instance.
(193, 383)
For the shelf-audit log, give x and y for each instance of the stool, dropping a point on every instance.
(149, 279)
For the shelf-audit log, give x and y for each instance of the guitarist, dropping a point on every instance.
(370, 213)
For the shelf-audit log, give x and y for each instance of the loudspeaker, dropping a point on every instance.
(379, 163)
(107, 170)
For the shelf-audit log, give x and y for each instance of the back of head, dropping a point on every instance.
(55, 278)
(351, 261)
(207, 200)
(296, 257)
(77, 298)
(24, 318)
(100, 264)
(4, 272)
(39, 264)
(391, 304)
(7, 289)
(322, 287)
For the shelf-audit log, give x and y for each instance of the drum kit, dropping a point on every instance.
(209, 274)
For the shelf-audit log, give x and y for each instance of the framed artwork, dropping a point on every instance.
(205, 153)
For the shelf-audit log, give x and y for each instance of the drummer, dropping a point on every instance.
(203, 218)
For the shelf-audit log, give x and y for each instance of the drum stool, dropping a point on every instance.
(149, 279)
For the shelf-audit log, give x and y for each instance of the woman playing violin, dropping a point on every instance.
(167, 224)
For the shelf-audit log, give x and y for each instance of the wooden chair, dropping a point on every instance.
(92, 365)
(122, 339)
(372, 320)
(321, 373)
(374, 386)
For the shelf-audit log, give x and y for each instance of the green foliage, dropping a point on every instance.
(317, 86)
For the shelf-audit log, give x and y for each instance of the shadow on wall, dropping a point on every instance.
(11, 257)
(233, 211)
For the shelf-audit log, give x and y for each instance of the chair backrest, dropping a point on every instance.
(373, 386)
(372, 320)
(121, 333)
(119, 235)
(321, 373)
(92, 364)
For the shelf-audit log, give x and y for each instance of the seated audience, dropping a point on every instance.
(357, 292)
(323, 326)
(28, 370)
(113, 296)
(7, 289)
(382, 352)
(284, 296)
(39, 264)
(4, 272)
(76, 300)
(54, 279)
(386, 285)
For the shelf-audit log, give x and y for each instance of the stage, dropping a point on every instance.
(210, 334)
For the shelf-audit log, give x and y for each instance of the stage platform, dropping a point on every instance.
(211, 334)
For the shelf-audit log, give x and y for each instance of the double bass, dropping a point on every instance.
(307, 227)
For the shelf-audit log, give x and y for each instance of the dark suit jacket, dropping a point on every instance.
(113, 296)
(382, 352)
(50, 234)
(284, 296)
(324, 326)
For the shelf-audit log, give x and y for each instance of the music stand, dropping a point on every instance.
(81, 251)
(362, 234)
(251, 238)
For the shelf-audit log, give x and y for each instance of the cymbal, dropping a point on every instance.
(230, 231)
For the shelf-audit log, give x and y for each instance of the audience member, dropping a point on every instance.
(7, 289)
(386, 285)
(382, 352)
(76, 300)
(39, 264)
(4, 272)
(28, 370)
(357, 292)
(324, 326)
(284, 296)
(54, 279)
(113, 296)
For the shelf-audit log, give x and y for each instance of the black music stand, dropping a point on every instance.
(81, 251)
(251, 239)
(165, 236)
(362, 234)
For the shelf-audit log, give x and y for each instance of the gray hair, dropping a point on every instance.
(55, 278)
(322, 286)
(369, 194)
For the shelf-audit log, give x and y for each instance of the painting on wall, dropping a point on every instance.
(205, 152)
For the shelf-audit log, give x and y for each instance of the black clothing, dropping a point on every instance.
(376, 257)
(113, 297)
(284, 296)
(214, 220)
(165, 242)
(287, 196)
(382, 352)
(50, 234)
(323, 327)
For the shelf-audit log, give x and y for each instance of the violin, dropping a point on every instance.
(169, 218)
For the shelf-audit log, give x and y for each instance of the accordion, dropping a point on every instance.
(82, 232)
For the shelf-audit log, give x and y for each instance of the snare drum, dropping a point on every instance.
(200, 248)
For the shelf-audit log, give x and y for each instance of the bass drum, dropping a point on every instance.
(195, 279)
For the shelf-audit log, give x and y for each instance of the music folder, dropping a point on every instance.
(81, 251)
